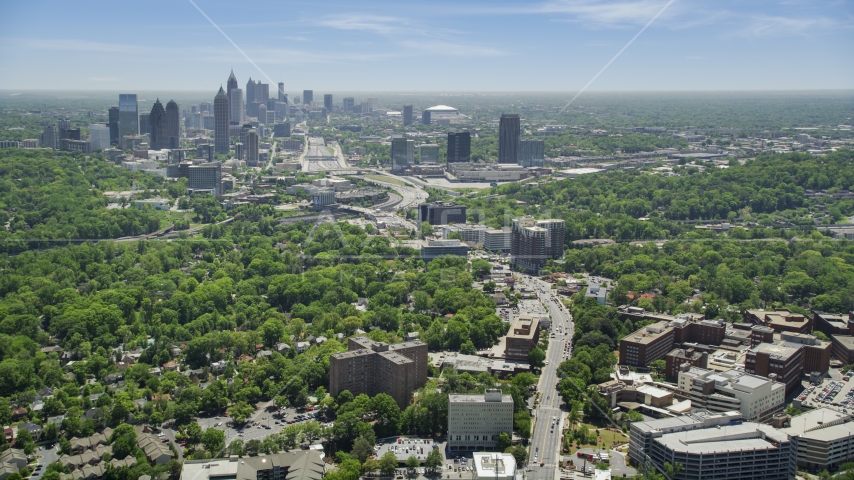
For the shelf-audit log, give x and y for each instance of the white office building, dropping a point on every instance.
(475, 421)
(494, 466)
(756, 398)
(99, 137)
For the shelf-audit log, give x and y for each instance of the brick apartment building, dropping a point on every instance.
(371, 367)
(523, 336)
(680, 359)
(830, 324)
(783, 362)
(781, 320)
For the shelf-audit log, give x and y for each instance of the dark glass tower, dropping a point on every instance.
(173, 125)
(307, 97)
(114, 125)
(157, 124)
(508, 138)
(407, 114)
(221, 121)
(459, 147)
(327, 102)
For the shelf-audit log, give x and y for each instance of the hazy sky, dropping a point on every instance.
(428, 46)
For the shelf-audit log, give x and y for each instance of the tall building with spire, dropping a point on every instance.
(221, 121)
(282, 96)
(157, 126)
(173, 125)
(231, 84)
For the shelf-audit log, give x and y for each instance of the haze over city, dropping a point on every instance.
(407, 46)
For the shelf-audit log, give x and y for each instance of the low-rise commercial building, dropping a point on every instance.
(475, 421)
(831, 324)
(523, 337)
(292, 465)
(494, 466)
(757, 398)
(431, 249)
(714, 447)
(441, 213)
(842, 348)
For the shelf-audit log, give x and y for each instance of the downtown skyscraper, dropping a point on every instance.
(173, 125)
(157, 126)
(221, 122)
(508, 138)
(128, 115)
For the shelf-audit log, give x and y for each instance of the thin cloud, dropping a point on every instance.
(452, 49)
(364, 23)
(768, 26)
(81, 46)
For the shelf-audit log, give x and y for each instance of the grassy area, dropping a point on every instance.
(387, 179)
(606, 439)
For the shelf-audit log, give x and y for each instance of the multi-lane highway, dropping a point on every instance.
(546, 437)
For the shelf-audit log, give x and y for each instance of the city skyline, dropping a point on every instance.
(552, 46)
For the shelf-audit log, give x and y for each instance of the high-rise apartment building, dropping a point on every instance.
(371, 367)
(157, 123)
(235, 102)
(128, 115)
(459, 147)
(63, 125)
(402, 153)
(532, 153)
(535, 242)
(475, 421)
(252, 142)
(327, 102)
(173, 125)
(307, 97)
(221, 122)
(49, 137)
(373, 104)
(407, 114)
(508, 138)
(349, 103)
(113, 122)
(99, 137)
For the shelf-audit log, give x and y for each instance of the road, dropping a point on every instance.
(548, 416)
(412, 194)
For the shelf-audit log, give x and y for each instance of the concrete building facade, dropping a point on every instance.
(475, 421)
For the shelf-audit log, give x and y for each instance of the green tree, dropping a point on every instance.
(193, 432)
(214, 440)
(362, 449)
(467, 348)
(434, 459)
(504, 441)
(412, 464)
(388, 463)
(240, 412)
(536, 357)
